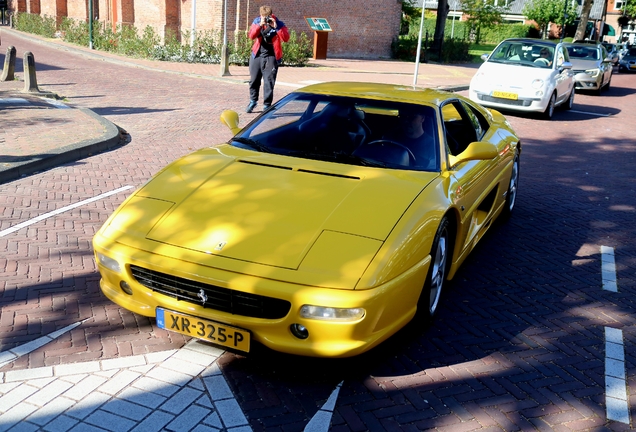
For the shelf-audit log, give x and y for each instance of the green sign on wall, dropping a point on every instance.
(318, 24)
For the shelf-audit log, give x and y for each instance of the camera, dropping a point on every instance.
(268, 20)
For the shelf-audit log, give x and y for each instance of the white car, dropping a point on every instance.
(529, 75)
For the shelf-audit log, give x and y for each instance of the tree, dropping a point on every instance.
(544, 12)
(629, 13)
(482, 14)
(629, 8)
(440, 23)
(585, 16)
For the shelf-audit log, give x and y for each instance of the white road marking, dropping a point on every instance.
(12, 354)
(590, 113)
(60, 210)
(616, 402)
(608, 269)
(57, 103)
(286, 84)
(321, 421)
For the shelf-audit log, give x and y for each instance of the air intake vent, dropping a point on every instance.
(329, 174)
(211, 296)
(266, 165)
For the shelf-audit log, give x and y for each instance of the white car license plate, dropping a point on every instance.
(505, 95)
(217, 333)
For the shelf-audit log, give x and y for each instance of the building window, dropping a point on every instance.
(618, 4)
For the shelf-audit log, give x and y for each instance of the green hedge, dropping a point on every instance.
(42, 25)
(455, 48)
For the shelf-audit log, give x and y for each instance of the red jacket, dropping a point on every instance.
(281, 34)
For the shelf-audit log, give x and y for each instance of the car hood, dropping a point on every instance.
(511, 75)
(266, 209)
(584, 64)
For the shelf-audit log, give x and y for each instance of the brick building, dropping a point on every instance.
(361, 28)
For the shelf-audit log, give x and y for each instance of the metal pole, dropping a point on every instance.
(224, 54)
(454, 15)
(90, 24)
(193, 24)
(419, 47)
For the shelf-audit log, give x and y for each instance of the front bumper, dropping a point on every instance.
(522, 103)
(387, 307)
(583, 81)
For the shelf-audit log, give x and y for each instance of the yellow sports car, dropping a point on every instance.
(319, 229)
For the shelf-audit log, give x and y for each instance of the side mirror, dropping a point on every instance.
(231, 119)
(485, 57)
(478, 150)
(566, 65)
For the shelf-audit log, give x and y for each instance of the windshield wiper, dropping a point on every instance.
(253, 144)
(368, 162)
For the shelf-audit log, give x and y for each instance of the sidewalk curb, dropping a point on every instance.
(111, 138)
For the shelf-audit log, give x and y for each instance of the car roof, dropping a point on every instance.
(532, 41)
(583, 43)
(391, 92)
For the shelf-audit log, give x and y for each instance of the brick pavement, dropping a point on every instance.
(519, 343)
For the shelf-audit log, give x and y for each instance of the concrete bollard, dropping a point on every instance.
(8, 72)
(30, 81)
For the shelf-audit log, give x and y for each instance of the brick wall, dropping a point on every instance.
(76, 9)
(361, 28)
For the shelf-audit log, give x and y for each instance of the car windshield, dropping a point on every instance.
(523, 53)
(352, 131)
(583, 52)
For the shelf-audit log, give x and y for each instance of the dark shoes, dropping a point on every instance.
(266, 107)
(250, 107)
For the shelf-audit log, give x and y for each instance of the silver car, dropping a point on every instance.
(591, 65)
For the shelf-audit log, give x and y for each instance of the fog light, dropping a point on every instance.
(125, 287)
(299, 331)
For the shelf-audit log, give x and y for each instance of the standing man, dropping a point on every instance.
(267, 31)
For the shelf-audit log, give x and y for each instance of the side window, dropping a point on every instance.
(480, 123)
(604, 53)
(561, 57)
(459, 128)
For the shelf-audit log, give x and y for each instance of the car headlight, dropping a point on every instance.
(109, 263)
(593, 72)
(331, 313)
(537, 83)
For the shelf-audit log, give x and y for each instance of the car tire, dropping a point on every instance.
(513, 184)
(428, 303)
(570, 102)
(549, 110)
(599, 90)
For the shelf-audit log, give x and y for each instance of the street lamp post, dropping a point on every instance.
(193, 25)
(224, 54)
(90, 24)
(419, 47)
